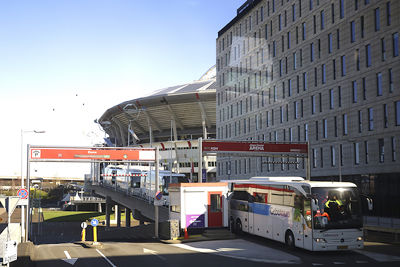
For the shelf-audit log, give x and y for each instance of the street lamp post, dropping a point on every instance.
(24, 237)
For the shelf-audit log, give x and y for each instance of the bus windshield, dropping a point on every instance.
(336, 208)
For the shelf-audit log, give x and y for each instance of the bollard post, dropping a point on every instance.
(95, 234)
(83, 235)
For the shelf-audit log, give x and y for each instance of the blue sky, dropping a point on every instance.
(64, 62)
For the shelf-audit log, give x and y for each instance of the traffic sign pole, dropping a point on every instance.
(94, 234)
(94, 223)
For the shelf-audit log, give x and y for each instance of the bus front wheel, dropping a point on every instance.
(289, 239)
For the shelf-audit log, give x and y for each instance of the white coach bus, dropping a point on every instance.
(317, 216)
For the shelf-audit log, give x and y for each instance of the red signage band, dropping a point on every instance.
(220, 146)
(89, 154)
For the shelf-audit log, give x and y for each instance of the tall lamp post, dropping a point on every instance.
(24, 237)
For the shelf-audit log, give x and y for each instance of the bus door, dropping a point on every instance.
(215, 209)
(307, 225)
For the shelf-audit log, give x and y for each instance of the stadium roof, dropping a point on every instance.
(187, 106)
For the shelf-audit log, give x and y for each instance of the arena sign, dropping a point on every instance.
(250, 146)
(255, 148)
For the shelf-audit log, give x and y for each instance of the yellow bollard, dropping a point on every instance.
(94, 234)
(83, 235)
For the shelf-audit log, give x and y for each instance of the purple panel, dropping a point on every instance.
(195, 221)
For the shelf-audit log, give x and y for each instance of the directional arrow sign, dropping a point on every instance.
(69, 259)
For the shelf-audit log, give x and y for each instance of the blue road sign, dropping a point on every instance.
(94, 222)
(22, 193)
(158, 195)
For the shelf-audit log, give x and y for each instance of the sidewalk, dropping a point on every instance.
(209, 234)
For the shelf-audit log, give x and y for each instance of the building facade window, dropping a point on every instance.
(331, 99)
(366, 150)
(393, 144)
(388, 14)
(377, 19)
(333, 156)
(370, 119)
(391, 86)
(381, 150)
(345, 129)
(397, 112)
(395, 41)
(379, 90)
(354, 87)
(343, 65)
(356, 153)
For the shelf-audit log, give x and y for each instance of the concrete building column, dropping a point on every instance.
(108, 210)
(127, 217)
(118, 215)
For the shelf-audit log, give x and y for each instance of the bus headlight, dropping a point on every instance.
(360, 238)
(320, 240)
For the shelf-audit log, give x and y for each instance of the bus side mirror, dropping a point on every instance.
(314, 204)
(370, 204)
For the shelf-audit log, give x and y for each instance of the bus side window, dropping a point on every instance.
(307, 212)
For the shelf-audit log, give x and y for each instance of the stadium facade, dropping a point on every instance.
(171, 119)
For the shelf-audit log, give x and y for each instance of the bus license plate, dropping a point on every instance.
(342, 247)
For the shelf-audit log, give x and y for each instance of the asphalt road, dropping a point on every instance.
(57, 246)
(246, 251)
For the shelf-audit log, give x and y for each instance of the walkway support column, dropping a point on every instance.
(118, 215)
(127, 217)
(108, 211)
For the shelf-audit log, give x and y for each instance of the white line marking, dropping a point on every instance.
(145, 250)
(69, 259)
(207, 250)
(361, 261)
(316, 264)
(112, 264)
(67, 254)
(338, 262)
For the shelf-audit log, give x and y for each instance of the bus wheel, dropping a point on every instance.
(289, 239)
(238, 227)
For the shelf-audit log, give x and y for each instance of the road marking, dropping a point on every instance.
(316, 264)
(112, 264)
(67, 254)
(361, 261)
(69, 259)
(338, 262)
(233, 253)
(146, 251)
